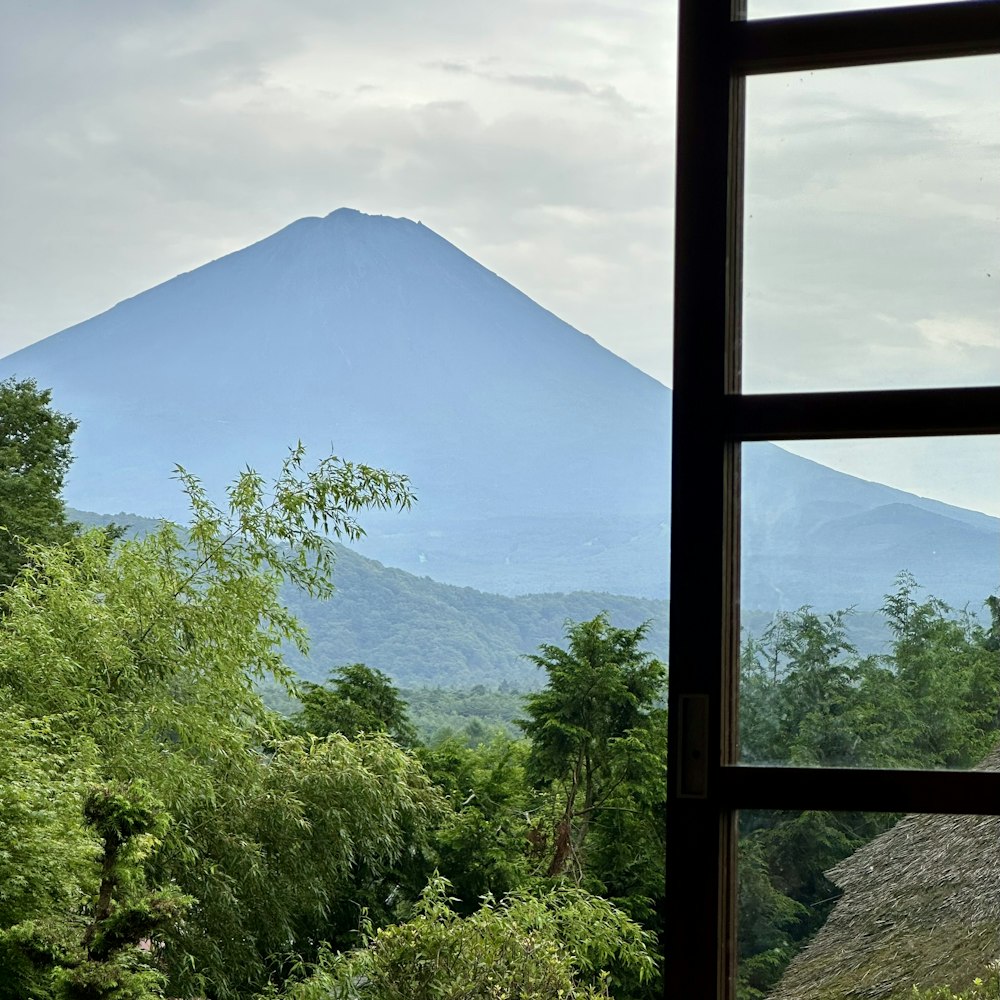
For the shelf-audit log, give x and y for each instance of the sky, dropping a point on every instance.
(140, 139)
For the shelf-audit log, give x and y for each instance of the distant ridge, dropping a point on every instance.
(424, 633)
(540, 459)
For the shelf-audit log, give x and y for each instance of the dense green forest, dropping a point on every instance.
(167, 834)
(474, 715)
(932, 700)
(466, 638)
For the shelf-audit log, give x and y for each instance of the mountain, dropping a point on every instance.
(540, 459)
(425, 633)
(812, 535)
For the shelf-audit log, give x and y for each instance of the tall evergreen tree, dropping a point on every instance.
(34, 457)
(593, 728)
(356, 699)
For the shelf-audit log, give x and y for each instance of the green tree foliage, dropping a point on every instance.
(482, 840)
(422, 632)
(285, 861)
(126, 924)
(474, 715)
(359, 702)
(593, 729)
(945, 675)
(162, 833)
(34, 458)
(597, 757)
(768, 918)
(46, 858)
(100, 941)
(551, 947)
(356, 699)
(800, 691)
(142, 661)
(931, 700)
(984, 987)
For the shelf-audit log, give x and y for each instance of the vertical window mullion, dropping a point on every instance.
(701, 829)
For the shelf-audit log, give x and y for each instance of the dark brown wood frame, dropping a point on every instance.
(718, 49)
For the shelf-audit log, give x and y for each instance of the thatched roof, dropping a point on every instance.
(921, 905)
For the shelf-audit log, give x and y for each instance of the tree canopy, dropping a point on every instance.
(552, 946)
(594, 726)
(140, 660)
(357, 699)
(172, 839)
(931, 699)
(166, 834)
(34, 458)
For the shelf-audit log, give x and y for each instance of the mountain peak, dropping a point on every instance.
(355, 217)
(340, 223)
(356, 234)
(345, 214)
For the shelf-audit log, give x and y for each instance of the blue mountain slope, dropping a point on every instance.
(815, 536)
(369, 333)
(540, 459)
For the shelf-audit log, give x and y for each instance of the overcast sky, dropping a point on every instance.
(142, 139)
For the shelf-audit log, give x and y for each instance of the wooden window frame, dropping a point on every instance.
(718, 49)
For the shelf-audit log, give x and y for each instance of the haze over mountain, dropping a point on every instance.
(540, 459)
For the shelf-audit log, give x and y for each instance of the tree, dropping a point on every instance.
(807, 697)
(481, 844)
(284, 860)
(593, 730)
(117, 955)
(141, 660)
(799, 692)
(356, 699)
(46, 861)
(34, 458)
(947, 672)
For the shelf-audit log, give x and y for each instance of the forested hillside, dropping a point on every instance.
(421, 632)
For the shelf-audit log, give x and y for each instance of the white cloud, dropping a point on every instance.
(960, 332)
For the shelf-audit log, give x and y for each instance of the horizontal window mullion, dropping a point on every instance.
(867, 414)
(858, 790)
(854, 38)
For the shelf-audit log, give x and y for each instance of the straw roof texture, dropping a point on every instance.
(921, 905)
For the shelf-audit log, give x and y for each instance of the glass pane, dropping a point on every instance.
(789, 8)
(872, 220)
(838, 905)
(868, 639)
